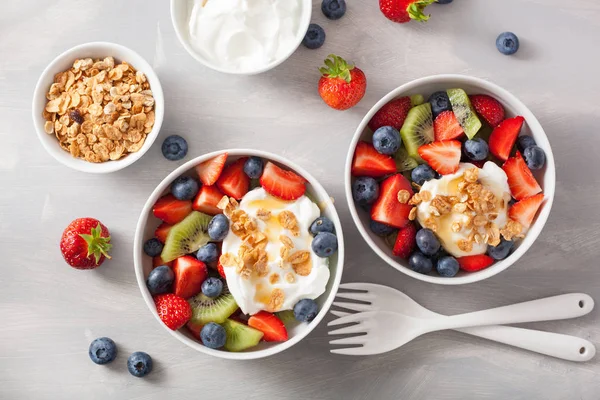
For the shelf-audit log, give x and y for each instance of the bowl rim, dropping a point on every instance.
(179, 32)
(138, 246)
(108, 166)
(549, 189)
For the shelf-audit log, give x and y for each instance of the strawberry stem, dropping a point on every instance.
(97, 245)
(415, 10)
(337, 67)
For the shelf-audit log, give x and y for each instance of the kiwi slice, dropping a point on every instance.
(287, 317)
(463, 110)
(186, 236)
(403, 161)
(417, 99)
(205, 309)
(239, 336)
(417, 129)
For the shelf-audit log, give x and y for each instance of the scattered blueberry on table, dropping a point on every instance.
(507, 43)
(102, 350)
(315, 37)
(174, 148)
(333, 9)
(139, 364)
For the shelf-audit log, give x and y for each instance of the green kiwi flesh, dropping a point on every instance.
(463, 110)
(417, 99)
(239, 336)
(287, 317)
(403, 161)
(205, 309)
(186, 236)
(417, 129)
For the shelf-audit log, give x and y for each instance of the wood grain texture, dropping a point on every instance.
(50, 312)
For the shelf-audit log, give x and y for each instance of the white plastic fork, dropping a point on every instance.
(383, 298)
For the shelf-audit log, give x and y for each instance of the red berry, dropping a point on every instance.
(392, 114)
(210, 170)
(524, 210)
(521, 181)
(446, 126)
(85, 243)
(475, 263)
(189, 275)
(233, 180)
(404, 10)
(271, 326)
(368, 162)
(488, 108)
(443, 157)
(281, 183)
(387, 209)
(174, 311)
(406, 241)
(342, 85)
(504, 136)
(207, 199)
(171, 210)
(162, 232)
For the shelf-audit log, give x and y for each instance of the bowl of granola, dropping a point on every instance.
(450, 179)
(98, 107)
(239, 253)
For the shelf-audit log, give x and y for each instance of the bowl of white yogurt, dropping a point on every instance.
(242, 37)
(491, 176)
(320, 283)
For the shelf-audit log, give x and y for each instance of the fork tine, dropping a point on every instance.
(353, 351)
(353, 306)
(355, 296)
(349, 340)
(358, 328)
(353, 286)
(347, 319)
(339, 314)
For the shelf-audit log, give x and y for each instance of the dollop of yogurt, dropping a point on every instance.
(252, 294)
(492, 178)
(244, 34)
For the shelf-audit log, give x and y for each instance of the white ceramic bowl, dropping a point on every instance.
(180, 12)
(63, 62)
(147, 223)
(513, 106)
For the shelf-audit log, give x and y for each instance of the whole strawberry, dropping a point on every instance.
(392, 114)
(404, 10)
(342, 85)
(85, 243)
(174, 311)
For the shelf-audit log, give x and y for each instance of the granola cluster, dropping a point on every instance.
(478, 204)
(98, 110)
(252, 258)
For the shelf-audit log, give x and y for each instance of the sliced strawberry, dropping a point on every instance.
(488, 108)
(521, 181)
(406, 241)
(446, 126)
(172, 310)
(392, 114)
(171, 210)
(210, 170)
(281, 183)
(387, 209)
(157, 262)
(524, 210)
(194, 329)
(162, 231)
(272, 327)
(221, 270)
(443, 157)
(368, 162)
(475, 263)
(189, 275)
(207, 199)
(233, 181)
(504, 136)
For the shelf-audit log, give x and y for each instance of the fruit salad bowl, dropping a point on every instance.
(497, 121)
(224, 179)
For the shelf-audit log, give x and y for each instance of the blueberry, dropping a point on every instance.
(208, 253)
(213, 335)
(315, 37)
(447, 266)
(174, 148)
(422, 173)
(160, 280)
(427, 242)
(212, 287)
(321, 224)
(386, 140)
(420, 263)
(153, 247)
(507, 43)
(333, 9)
(306, 310)
(103, 350)
(185, 188)
(534, 157)
(501, 251)
(324, 244)
(381, 229)
(476, 149)
(218, 227)
(524, 142)
(365, 190)
(444, 1)
(253, 167)
(139, 364)
(439, 102)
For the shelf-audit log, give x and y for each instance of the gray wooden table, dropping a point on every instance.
(50, 312)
